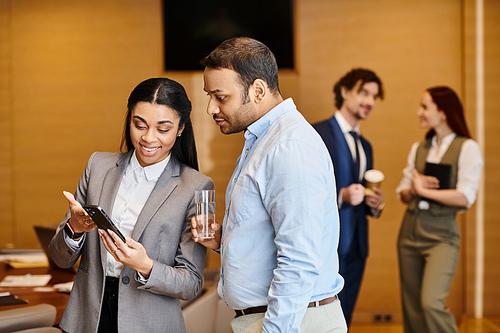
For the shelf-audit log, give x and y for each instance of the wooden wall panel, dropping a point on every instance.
(6, 166)
(492, 160)
(73, 66)
(469, 50)
(490, 292)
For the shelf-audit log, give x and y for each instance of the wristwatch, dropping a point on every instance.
(69, 231)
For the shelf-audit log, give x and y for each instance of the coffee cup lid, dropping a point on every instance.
(374, 176)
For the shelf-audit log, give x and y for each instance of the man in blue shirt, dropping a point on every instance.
(278, 241)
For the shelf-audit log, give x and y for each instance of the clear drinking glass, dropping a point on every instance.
(205, 213)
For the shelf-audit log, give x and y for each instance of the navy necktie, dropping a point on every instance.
(355, 159)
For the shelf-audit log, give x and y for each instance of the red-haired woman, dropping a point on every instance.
(441, 178)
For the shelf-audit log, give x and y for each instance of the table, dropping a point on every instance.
(34, 297)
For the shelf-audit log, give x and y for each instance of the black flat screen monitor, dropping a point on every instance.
(193, 28)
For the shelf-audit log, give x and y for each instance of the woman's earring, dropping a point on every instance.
(179, 135)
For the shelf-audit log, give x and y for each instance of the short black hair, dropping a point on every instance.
(350, 79)
(249, 58)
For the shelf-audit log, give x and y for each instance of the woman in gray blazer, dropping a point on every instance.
(148, 191)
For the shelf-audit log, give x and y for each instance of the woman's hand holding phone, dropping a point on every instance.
(131, 253)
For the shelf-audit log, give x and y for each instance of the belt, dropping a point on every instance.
(262, 309)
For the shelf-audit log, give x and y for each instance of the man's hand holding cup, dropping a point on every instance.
(373, 178)
(374, 197)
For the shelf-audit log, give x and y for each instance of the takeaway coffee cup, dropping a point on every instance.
(373, 178)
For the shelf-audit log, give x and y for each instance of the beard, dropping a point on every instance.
(241, 118)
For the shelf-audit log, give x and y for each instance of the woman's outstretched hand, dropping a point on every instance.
(80, 221)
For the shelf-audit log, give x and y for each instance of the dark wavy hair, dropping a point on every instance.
(350, 79)
(249, 58)
(170, 93)
(448, 102)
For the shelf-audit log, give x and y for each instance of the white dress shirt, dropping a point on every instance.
(346, 128)
(135, 188)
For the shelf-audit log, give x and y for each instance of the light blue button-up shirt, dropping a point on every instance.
(281, 227)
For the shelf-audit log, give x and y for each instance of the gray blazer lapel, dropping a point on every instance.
(110, 187)
(162, 190)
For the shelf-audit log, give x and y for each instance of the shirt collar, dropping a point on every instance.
(344, 125)
(152, 172)
(446, 140)
(261, 125)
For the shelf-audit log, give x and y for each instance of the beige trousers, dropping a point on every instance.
(324, 319)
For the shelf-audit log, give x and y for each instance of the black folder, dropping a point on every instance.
(441, 171)
(11, 300)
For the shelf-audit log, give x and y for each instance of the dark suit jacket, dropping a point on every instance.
(353, 221)
(163, 228)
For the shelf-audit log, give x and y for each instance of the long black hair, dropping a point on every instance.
(167, 92)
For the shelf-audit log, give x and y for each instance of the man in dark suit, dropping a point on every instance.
(355, 96)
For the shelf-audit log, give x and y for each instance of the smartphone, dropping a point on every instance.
(102, 220)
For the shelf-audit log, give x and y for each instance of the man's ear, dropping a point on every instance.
(259, 90)
(356, 89)
(343, 92)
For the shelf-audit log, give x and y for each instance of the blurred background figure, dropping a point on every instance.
(440, 179)
(355, 96)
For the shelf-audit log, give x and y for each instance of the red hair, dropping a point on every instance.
(448, 102)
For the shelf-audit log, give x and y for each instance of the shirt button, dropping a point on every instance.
(125, 280)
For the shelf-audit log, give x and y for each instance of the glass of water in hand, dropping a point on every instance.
(205, 213)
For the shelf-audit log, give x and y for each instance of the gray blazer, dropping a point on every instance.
(163, 228)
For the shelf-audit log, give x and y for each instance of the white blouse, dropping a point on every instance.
(470, 164)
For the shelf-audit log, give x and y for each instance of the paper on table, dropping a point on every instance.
(22, 264)
(26, 260)
(31, 257)
(27, 280)
(64, 287)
